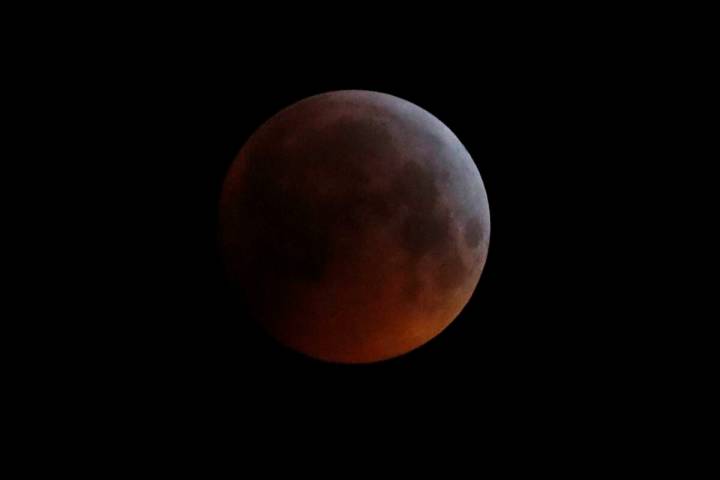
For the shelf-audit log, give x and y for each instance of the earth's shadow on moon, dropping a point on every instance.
(301, 201)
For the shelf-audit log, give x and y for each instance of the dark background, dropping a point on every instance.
(540, 336)
(142, 116)
(524, 123)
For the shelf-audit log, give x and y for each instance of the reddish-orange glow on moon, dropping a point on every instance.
(356, 226)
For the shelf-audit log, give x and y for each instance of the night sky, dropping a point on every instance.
(532, 330)
(134, 342)
(515, 331)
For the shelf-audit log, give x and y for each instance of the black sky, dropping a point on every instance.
(532, 113)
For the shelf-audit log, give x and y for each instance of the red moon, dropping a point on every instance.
(355, 225)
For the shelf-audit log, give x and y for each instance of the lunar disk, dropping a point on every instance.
(354, 225)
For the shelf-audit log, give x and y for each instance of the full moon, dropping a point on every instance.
(354, 225)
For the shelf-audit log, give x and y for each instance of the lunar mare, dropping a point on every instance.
(355, 225)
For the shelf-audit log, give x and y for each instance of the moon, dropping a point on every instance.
(355, 226)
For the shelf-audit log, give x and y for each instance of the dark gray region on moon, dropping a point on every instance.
(308, 187)
(473, 232)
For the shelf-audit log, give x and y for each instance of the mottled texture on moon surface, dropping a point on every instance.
(355, 225)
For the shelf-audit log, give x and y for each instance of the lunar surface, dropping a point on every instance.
(355, 226)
